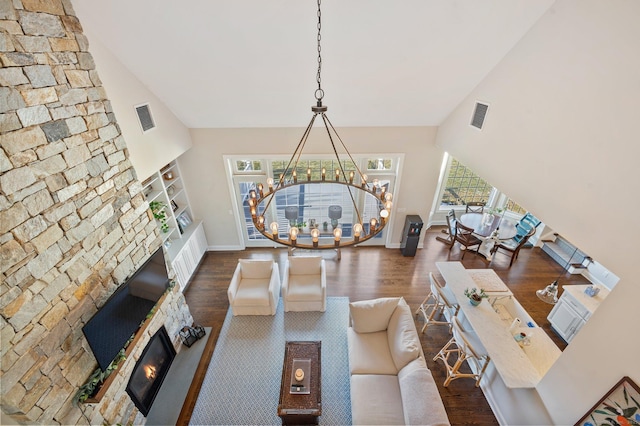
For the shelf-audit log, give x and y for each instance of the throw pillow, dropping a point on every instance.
(369, 316)
(402, 336)
(253, 268)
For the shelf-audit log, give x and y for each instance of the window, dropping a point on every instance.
(248, 166)
(462, 186)
(514, 207)
(379, 164)
(310, 201)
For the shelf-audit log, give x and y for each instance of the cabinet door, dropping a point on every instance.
(565, 320)
(181, 270)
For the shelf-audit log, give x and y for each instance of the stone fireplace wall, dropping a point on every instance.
(74, 223)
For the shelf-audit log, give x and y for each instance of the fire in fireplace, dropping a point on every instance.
(150, 371)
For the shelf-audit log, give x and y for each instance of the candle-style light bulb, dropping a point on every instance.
(357, 230)
(274, 229)
(293, 234)
(324, 172)
(337, 234)
(309, 174)
(351, 175)
(270, 184)
(261, 190)
(373, 223)
(315, 233)
(295, 176)
(337, 175)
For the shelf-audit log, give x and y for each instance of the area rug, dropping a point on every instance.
(242, 383)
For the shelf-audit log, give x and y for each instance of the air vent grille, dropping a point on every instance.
(145, 117)
(479, 115)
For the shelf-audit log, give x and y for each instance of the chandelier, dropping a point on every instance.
(354, 181)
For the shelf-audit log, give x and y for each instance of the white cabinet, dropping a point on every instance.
(182, 237)
(565, 320)
(185, 260)
(573, 310)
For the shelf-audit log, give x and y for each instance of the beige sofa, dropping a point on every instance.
(390, 381)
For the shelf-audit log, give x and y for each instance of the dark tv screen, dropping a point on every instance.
(120, 317)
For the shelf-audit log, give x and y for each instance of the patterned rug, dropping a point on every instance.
(242, 383)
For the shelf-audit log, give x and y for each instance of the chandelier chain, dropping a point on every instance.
(319, 92)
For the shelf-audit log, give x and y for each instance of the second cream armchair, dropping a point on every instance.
(304, 284)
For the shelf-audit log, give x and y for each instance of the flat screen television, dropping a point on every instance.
(122, 314)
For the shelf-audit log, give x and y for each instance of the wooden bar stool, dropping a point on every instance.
(465, 345)
(438, 301)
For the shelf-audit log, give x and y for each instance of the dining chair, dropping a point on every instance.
(514, 245)
(434, 305)
(465, 346)
(464, 235)
(475, 207)
(451, 229)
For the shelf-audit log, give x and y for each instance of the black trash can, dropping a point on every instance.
(411, 235)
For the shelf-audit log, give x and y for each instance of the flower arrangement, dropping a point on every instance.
(475, 296)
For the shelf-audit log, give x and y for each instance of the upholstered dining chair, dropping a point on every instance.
(451, 229)
(304, 284)
(254, 288)
(514, 245)
(475, 207)
(464, 236)
(465, 346)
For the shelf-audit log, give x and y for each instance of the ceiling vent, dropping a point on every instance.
(145, 117)
(479, 114)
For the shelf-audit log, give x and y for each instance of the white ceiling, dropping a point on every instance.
(252, 63)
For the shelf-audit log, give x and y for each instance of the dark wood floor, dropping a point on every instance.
(366, 273)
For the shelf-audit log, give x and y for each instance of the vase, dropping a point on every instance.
(474, 302)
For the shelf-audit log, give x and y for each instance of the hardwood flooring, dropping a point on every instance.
(371, 272)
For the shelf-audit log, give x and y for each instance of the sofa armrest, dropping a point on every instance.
(234, 284)
(274, 286)
(285, 279)
(323, 279)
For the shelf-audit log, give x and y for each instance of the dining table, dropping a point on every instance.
(485, 227)
(490, 228)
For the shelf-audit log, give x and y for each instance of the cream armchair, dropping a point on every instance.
(254, 288)
(304, 284)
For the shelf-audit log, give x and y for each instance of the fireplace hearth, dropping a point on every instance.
(150, 371)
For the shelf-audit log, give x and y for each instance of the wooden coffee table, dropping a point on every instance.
(301, 403)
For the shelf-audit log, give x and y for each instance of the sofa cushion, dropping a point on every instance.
(404, 343)
(376, 400)
(370, 316)
(306, 265)
(253, 268)
(369, 353)
(421, 402)
(304, 288)
(252, 292)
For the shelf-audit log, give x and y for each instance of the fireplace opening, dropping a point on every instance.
(150, 371)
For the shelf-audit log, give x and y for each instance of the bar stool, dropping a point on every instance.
(466, 346)
(437, 302)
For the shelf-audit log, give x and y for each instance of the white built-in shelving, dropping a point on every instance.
(183, 237)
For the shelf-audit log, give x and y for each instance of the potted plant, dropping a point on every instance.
(157, 208)
(475, 296)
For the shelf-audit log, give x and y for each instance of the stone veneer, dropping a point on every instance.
(74, 223)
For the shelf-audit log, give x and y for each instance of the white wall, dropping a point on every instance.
(148, 151)
(204, 174)
(561, 138)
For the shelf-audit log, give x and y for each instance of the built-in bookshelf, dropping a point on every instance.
(182, 236)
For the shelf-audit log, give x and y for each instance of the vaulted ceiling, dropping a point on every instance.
(253, 63)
